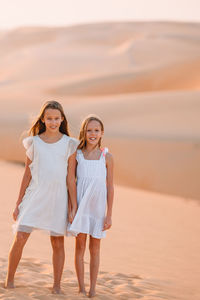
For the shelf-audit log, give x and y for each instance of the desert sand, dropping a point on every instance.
(151, 252)
(143, 80)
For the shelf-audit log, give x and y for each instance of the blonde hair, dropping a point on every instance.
(82, 134)
(38, 126)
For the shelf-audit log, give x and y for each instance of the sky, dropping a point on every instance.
(17, 13)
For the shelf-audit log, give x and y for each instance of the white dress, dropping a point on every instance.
(91, 196)
(44, 205)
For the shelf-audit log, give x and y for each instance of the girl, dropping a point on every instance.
(94, 169)
(42, 201)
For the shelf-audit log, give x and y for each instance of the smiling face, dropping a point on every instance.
(93, 133)
(52, 119)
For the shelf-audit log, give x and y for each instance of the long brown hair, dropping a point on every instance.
(38, 126)
(82, 134)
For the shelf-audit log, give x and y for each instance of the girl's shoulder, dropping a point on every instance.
(28, 144)
(72, 144)
(108, 156)
(28, 141)
(71, 139)
(105, 152)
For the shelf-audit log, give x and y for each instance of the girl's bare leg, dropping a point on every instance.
(79, 260)
(15, 256)
(57, 243)
(94, 264)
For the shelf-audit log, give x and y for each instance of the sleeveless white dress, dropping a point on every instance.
(91, 196)
(44, 205)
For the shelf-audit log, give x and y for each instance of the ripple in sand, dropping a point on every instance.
(30, 285)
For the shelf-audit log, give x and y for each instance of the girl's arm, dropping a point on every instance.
(25, 182)
(71, 184)
(110, 191)
(69, 206)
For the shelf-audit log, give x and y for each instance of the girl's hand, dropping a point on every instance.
(70, 218)
(15, 213)
(71, 215)
(107, 223)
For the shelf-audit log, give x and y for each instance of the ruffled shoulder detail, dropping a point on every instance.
(29, 146)
(72, 146)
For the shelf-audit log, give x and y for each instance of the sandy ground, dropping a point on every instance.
(151, 252)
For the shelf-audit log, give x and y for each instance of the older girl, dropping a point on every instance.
(42, 201)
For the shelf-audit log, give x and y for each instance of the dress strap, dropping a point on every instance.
(104, 151)
(79, 154)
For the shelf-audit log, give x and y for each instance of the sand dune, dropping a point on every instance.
(157, 134)
(160, 53)
(170, 77)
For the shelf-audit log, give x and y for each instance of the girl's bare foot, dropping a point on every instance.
(82, 291)
(57, 290)
(9, 285)
(91, 294)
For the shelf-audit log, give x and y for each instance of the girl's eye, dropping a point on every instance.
(88, 130)
(49, 119)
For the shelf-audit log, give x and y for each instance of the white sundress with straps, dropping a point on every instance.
(91, 196)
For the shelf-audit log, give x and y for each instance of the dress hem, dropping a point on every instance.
(75, 233)
(32, 228)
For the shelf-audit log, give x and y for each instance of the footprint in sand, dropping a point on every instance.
(34, 279)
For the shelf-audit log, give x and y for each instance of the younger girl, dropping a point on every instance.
(94, 169)
(42, 201)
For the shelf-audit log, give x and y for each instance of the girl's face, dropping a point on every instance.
(52, 119)
(93, 132)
